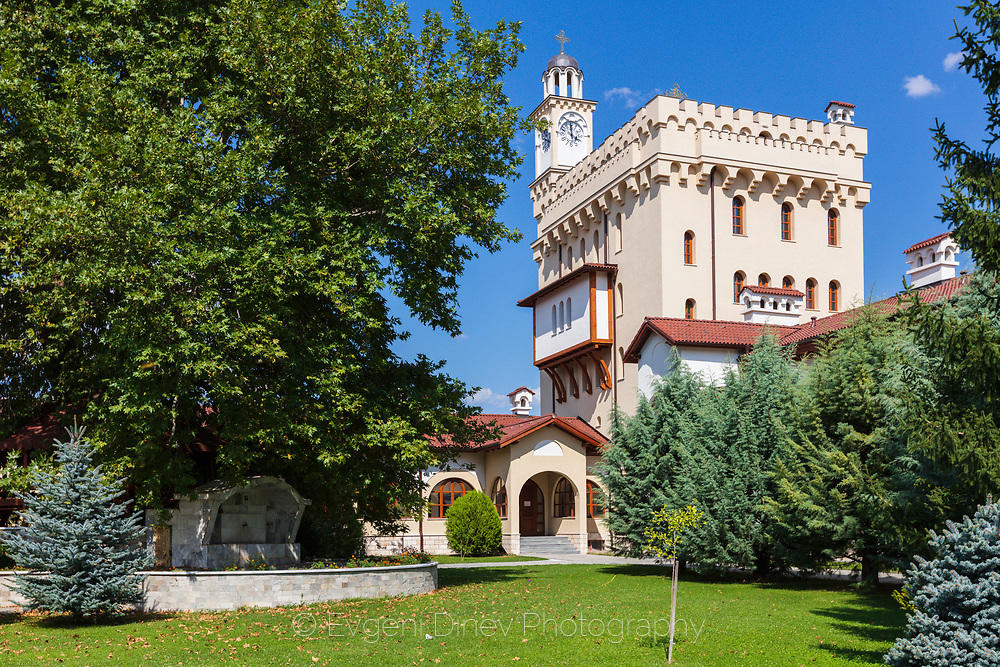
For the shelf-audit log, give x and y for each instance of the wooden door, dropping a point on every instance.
(532, 508)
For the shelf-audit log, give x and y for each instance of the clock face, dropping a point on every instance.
(571, 129)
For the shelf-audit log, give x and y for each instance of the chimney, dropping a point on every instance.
(520, 401)
(812, 321)
(841, 113)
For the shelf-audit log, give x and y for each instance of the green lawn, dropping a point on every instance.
(556, 614)
(483, 559)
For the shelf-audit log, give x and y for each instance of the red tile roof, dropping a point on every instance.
(743, 335)
(713, 333)
(775, 291)
(514, 428)
(928, 242)
(843, 104)
(572, 275)
(945, 289)
(521, 389)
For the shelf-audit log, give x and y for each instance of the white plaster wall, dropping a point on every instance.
(710, 363)
(549, 342)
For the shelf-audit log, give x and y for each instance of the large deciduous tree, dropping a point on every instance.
(203, 209)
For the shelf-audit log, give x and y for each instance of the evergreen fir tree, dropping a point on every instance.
(642, 467)
(850, 485)
(738, 439)
(81, 542)
(955, 598)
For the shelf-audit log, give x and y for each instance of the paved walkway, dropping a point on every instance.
(599, 559)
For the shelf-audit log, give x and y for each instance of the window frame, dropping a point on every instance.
(689, 309)
(833, 290)
(499, 488)
(786, 222)
(811, 286)
(739, 216)
(593, 501)
(563, 500)
(689, 248)
(738, 285)
(833, 228)
(439, 506)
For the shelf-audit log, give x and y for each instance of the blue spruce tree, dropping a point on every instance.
(955, 621)
(82, 545)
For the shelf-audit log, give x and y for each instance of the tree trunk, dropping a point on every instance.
(762, 564)
(869, 570)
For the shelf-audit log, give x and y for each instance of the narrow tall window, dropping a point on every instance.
(569, 257)
(583, 250)
(594, 507)
(786, 222)
(618, 231)
(764, 280)
(788, 282)
(689, 309)
(569, 313)
(811, 294)
(833, 228)
(597, 246)
(738, 280)
(555, 321)
(499, 497)
(739, 216)
(834, 296)
(563, 504)
(689, 247)
(562, 315)
(621, 299)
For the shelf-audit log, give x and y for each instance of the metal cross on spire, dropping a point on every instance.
(562, 39)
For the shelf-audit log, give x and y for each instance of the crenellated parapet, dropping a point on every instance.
(674, 142)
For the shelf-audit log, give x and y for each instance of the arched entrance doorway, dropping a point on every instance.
(532, 510)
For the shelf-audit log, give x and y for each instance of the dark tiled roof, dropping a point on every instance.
(928, 242)
(715, 333)
(572, 275)
(775, 291)
(513, 428)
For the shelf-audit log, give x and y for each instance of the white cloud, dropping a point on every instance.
(919, 86)
(951, 61)
(491, 401)
(630, 97)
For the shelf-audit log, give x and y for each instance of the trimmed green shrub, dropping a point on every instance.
(954, 598)
(473, 527)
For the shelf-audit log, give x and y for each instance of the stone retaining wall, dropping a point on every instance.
(214, 591)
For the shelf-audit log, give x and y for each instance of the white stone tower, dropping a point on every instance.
(570, 134)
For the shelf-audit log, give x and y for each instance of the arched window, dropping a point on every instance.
(833, 227)
(555, 321)
(948, 255)
(834, 295)
(597, 246)
(594, 507)
(569, 313)
(499, 497)
(562, 315)
(689, 309)
(562, 501)
(811, 294)
(618, 230)
(920, 260)
(621, 363)
(443, 495)
(738, 280)
(786, 222)
(788, 282)
(569, 257)
(764, 280)
(689, 247)
(739, 216)
(583, 250)
(621, 299)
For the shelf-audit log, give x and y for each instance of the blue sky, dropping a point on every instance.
(890, 59)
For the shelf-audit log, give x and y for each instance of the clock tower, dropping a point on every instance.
(569, 136)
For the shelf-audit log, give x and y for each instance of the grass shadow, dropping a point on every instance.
(67, 622)
(462, 576)
(871, 618)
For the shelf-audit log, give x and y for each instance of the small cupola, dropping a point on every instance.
(563, 75)
(520, 401)
(771, 305)
(841, 113)
(932, 260)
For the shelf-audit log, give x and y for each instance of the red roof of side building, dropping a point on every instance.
(712, 333)
(529, 301)
(928, 242)
(514, 428)
(774, 291)
(743, 335)
(945, 289)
